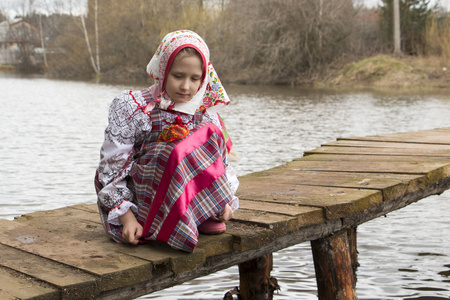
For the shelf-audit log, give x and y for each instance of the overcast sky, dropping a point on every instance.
(76, 6)
(373, 3)
(21, 6)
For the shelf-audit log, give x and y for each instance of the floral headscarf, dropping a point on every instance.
(211, 94)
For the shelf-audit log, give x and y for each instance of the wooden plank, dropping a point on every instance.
(275, 222)
(249, 236)
(60, 221)
(433, 136)
(95, 258)
(379, 151)
(162, 256)
(93, 229)
(373, 158)
(391, 185)
(393, 144)
(309, 215)
(17, 286)
(70, 281)
(414, 168)
(216, 244)
(207, 244)
(335, 202)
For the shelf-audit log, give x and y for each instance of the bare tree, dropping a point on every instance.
(95, 62)
(41, 33)
(396, 16)
(280, 40)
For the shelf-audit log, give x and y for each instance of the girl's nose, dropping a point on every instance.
(185, 85)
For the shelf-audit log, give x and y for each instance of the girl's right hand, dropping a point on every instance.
(132, 230)
(227, 214)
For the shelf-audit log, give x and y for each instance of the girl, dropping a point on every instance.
(163, 173)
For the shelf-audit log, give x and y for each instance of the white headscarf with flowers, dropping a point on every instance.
(211, 94)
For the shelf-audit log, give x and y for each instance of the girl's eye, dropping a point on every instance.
(195, 78)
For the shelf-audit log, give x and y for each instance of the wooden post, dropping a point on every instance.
(333, 265)
(254, 279)
(351, 235)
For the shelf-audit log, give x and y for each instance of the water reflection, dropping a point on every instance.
(52, 131)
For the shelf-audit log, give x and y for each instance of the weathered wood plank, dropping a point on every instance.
(432, 136)
(335, 202)
(373, 158)
(60, 221)
(392, 167)
(305, 215)
(276, 222)
(70, 281)
(379, 151)
(249, 236)
(17, 286)
(391, 185)
(392, 144)
(95, 258)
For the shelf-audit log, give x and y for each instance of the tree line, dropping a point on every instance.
(251, 41)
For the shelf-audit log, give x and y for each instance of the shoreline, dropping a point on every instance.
(391, 72)
(379, 72)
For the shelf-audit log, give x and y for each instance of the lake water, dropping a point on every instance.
(51, 133)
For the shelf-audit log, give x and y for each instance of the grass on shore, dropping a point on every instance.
(388, 71)
(7, 68)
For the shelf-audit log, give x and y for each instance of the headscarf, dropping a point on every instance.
(211, 95)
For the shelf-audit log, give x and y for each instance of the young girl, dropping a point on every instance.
(163, 173)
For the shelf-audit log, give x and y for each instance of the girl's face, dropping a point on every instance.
(184, 78)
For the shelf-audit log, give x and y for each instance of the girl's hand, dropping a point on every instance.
(132, 230)
(228, 213)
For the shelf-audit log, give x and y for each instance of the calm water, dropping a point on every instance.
(51, 132)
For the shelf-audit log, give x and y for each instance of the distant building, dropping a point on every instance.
(18, 40)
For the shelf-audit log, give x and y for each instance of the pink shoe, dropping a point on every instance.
(212, 226)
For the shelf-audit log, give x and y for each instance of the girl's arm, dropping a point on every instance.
(126, 126)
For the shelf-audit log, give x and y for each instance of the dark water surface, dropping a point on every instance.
(51, 132)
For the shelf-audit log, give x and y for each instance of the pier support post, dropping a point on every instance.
(333, 265)
(254, 279)
(351, 235)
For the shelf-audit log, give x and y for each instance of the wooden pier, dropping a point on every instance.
(322, 198)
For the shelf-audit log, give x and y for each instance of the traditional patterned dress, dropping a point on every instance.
(171, 187)
(167, 161)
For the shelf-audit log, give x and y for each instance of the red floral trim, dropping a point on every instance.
(141, 107)
(117, 206)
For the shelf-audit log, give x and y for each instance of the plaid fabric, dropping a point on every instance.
(177, 185)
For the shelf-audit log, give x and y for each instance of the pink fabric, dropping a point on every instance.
(179, 152)
(194, 186)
